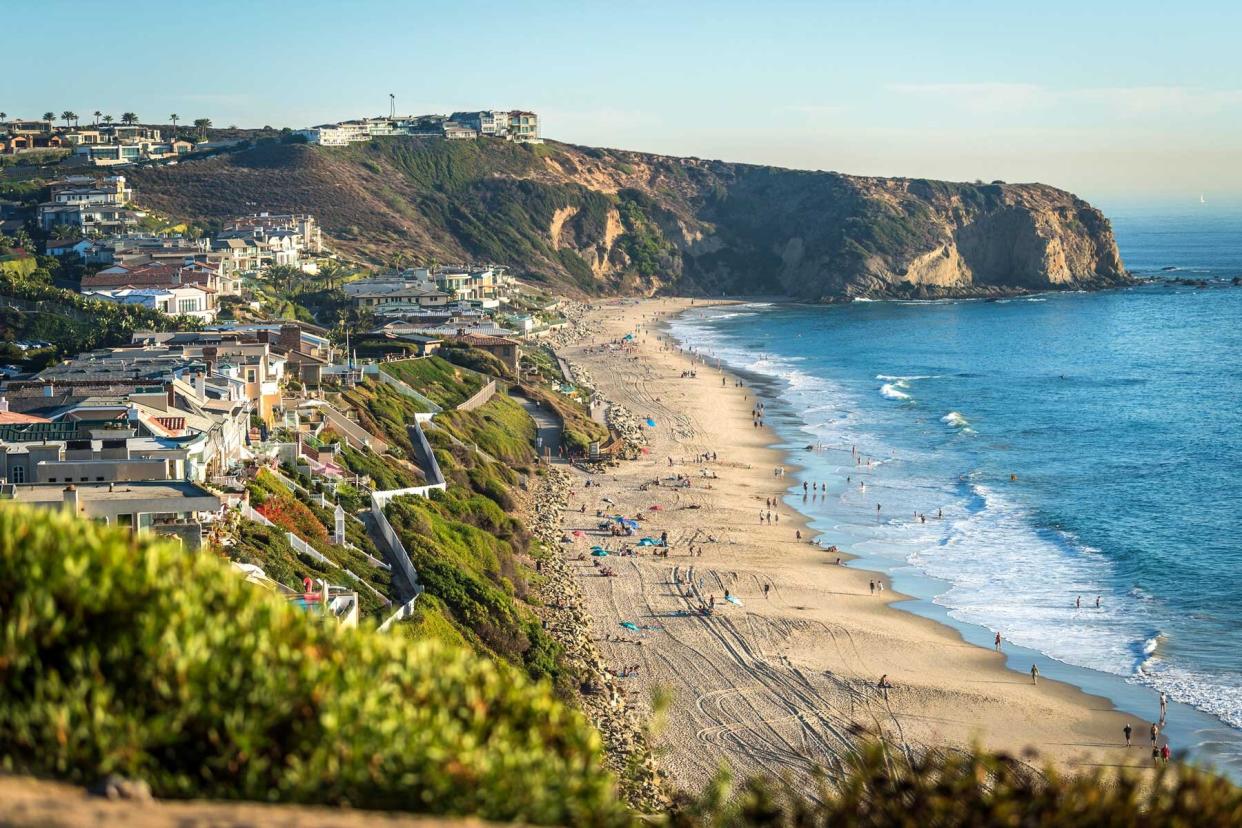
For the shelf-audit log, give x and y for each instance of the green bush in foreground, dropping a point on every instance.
(130, 656)
(881, 788)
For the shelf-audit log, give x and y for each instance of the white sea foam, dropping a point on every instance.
(1003, 572)
(890, 391)
(955, 419)
(906, 378)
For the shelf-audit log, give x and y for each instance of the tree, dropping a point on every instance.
(3, 115)
(129, 118)
(49, 116)
(108, 119)
(174, 118)
(202, 125)
(283, 277)
(97, 116)
(69, 115)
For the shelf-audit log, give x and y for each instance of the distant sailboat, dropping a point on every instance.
(1202, 200)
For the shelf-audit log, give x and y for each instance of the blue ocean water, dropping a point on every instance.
(1033, 455)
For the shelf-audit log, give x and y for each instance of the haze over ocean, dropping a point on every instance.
(1076, 444)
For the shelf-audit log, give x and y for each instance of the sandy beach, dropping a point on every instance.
(783, 682)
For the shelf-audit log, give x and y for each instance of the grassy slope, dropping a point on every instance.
(441, 382)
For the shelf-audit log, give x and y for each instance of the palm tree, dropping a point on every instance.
(97, 114)
(129, 118)
(202, 125)
(174, 118)
(49, 116)
(108, 119)
(3, 115)
(68, 115)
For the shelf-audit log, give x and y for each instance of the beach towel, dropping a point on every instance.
(599, 553)
(651, 422)
(733, 599)
(630, 625)
(648, 542)
(578, 533)
(656, 508)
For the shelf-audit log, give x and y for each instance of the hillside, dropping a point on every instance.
(594, 220)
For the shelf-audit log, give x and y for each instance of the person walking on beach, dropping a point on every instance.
(1165, 754)
(1034, 674)
(1129, 731)
(1155, 734)
(884, 685)
(873, 587)
(996, 643)
(1155, 756)
(1164, 706)
(766, 587)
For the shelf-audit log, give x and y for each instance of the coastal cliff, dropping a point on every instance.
(593, 221)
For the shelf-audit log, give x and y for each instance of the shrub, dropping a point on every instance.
(881, 787)
(126, 655)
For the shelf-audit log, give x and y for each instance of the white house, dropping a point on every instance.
(190, 300)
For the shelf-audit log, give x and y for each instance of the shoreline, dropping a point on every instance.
(1200, 736)
(786, 684)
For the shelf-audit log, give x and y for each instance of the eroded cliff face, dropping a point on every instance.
(593, 220)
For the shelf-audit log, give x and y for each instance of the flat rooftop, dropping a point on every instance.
(97, 492)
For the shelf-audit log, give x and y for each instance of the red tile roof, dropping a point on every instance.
(10, 417)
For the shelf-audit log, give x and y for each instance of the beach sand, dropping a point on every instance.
(784, 683)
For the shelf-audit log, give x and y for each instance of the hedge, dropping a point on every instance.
(129, 656)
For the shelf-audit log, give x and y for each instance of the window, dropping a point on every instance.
(19, 474)
(187, 305)
(51, 480)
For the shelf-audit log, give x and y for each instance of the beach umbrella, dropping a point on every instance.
(600, 553)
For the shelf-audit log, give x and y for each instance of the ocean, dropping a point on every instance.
(1064, 468)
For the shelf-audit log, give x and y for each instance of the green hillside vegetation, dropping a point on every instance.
(384, 411)
(500, 427)
(301, 515)
(71, 321)
(268, 548)
(386, 472)
(440, 381)
(129, 656)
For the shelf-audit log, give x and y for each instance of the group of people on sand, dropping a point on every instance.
(1160, 753)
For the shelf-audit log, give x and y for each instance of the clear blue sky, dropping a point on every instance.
(1118, 101)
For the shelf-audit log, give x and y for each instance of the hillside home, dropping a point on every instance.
(171, 508)
(190, 300)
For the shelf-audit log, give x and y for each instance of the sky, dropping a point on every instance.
(1124, 103)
